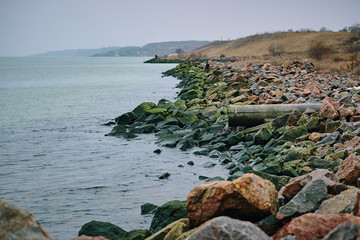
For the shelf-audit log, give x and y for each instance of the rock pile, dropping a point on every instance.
(291, 177)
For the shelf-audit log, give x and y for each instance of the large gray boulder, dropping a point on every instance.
(307, 200)
(18, 223)
(224, 228)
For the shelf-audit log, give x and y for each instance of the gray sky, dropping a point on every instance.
(35, 26)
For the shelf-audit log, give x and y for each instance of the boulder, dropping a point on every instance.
(249, 197)
(328, 110)
(168, 213)
(345, 231)
(349, 170)
(297, 183)
(17, 223)
(307, 200)
(148, 208)
(224, 228)
(84, 237)
(171, 231)
(346, 202)
(111, 231)
(313, 226)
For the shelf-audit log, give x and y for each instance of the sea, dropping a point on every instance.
(55, 159)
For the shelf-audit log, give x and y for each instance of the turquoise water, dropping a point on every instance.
(54, 158)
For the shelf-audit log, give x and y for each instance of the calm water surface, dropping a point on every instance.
(54, 158)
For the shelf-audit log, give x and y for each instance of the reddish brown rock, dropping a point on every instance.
(346, 111)
(312, 226)
(352, 142)
(247, 198)
(297, 183)
(273, 101)
(312, 88)
(349, 170)
(355, 119)
(328, 110)
(336, 104)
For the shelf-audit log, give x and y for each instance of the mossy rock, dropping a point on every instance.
(148, 208)
(157, 110)
(138, 234)
(263, 135)
(117, 131)
(125, 119)
(188, 119)
(146, 128)
(167, 122)
(168, 213)
(294, 133)
(105, 229)
(170, 140)
(143, 108)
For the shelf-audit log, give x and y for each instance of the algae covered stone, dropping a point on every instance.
(168, 213)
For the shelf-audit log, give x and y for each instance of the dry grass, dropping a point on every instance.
(342, 48)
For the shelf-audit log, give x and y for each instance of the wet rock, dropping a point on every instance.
(143, 108)
(171, 231)
(117, 131)
(223, 228)
(148, 208)
(157, 151)
(209, 165)
(111, 231)
(168, 213)
(345, 231)
(296, 184)
(249, 197)
(307, 200)
(164, 175)
(17, 223)
(349, 170)
(346, 202)
(191, 163)
(314, 226)
(125, 119)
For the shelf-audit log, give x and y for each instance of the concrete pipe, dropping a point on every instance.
(253, 115)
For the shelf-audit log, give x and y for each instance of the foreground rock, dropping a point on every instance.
(314, 226)
(346, 202)
(17, 223)
(345, 231)
(168, 213)
(225, 228)
(296, 184)
(307, 200)
(111, 231)
(248, 198)
(172, 231)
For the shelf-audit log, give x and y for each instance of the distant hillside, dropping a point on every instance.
(331, 50)
(151, 49)
(76, 52)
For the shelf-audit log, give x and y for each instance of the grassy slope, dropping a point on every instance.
(295, 46)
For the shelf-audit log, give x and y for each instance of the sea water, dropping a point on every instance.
(54, 158)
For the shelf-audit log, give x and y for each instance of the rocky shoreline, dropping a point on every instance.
(295, 176)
